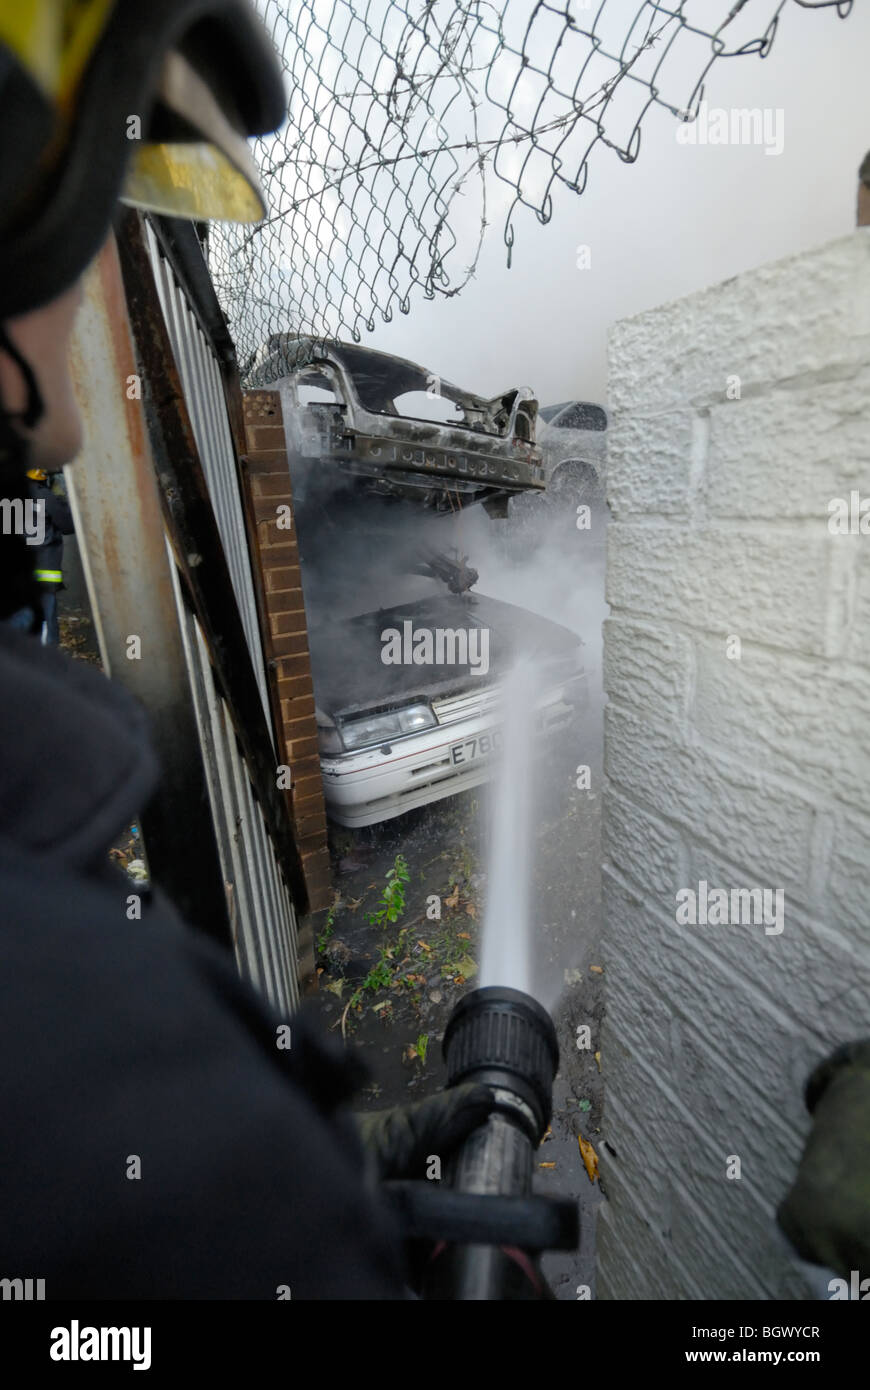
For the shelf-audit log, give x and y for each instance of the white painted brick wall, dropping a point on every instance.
(746, 773)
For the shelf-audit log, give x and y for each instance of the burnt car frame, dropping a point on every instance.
(488, 453)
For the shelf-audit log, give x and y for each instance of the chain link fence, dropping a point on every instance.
(415, 125)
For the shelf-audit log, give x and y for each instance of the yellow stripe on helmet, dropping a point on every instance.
(212, 178)
(53, 40)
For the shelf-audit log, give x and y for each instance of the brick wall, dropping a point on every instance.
(268, 483)
(737, 414)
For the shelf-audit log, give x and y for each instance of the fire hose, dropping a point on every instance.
(485, 1229)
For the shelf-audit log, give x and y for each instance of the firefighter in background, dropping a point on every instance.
(56, 521)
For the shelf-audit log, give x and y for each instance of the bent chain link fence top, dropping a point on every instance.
(412, 124)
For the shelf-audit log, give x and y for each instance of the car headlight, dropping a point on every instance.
(329, 741)
(328, 737)
(388, 724)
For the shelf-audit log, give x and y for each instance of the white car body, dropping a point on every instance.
(374, 784)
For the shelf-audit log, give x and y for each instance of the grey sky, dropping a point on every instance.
(679, 218)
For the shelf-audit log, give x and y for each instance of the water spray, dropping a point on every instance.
(489, 1229)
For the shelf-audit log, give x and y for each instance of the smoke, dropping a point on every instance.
(359, 552)
(539, 559)
(362, 552)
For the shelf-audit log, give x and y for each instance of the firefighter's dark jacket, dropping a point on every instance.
(58, 523)
(125, 1040)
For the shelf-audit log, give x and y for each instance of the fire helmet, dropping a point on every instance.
(149, 101)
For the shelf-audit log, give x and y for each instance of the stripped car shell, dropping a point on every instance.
(573, 438)
(395, 737)
(485, 455)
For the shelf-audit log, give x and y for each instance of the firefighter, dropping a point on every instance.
(55, 522)
(157, 1142)
(826, 1212)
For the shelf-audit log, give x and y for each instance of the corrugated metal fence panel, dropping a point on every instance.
(204, 396)
(261, 908)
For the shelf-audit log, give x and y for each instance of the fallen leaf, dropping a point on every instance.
(597, 1056)
(453, 900)
(463, 936)
(424, 945)
(471, 910)
(589, 1156)
(466, 967)
(548, 1135)
(546, 1165)
(336, 987)
(597, 969)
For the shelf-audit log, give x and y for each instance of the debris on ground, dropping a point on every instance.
(589, 1156)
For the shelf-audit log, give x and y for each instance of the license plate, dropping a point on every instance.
(472, 748)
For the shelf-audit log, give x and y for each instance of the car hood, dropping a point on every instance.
(350, 675)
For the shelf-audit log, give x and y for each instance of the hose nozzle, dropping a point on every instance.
(503, 1038)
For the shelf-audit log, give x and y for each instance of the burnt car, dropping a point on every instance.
(399, 431)
(386, 460)
(409, 698)
(573, 437)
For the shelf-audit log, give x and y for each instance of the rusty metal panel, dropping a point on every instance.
(120, 531)
(207, 536)
(261, 910)
(197, 547)
(260, 907)
(159, 568)
(200, 373)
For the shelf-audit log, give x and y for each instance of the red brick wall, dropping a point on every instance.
(267, 480)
